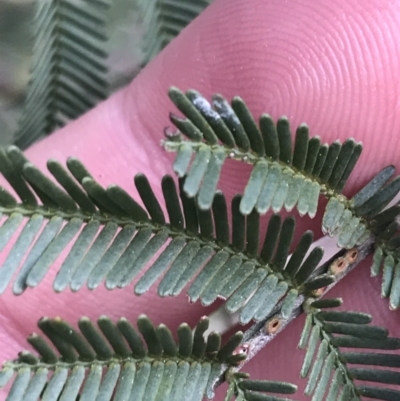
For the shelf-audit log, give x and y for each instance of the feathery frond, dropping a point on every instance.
(113, 238)
(325, 334)
(355, 220)
(68, 74)
(364, 217)
(111, 361)
(245, 389)
(163, 20)
(387, 254)
(283, 175)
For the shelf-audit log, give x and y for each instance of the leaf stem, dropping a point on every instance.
(258, 335)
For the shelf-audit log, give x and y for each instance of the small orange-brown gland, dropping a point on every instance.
(351, 255)
(338, 265)
(273, 326)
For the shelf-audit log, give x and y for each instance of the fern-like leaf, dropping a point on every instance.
(68, 74)
(117, 363)
(114, 238)
(362, 217)
(387, 246)
(326, 333)
(283, 175)
(163, 20)
(354, 220)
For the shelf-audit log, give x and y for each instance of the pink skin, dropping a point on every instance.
(331, 64)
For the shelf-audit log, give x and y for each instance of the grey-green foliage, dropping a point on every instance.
(326, 335)
(69, 65)
(284, 174)
(163, 20)
(113, 238)
(69, 71)
(387, 255)
(364, 216)
(112, 362)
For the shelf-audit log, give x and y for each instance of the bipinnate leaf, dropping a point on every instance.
(284, 174)
(333, 371)
(69, 65)
(163, 20)
(111, 238)
(386, 258)
(353, 221)
(366, 215)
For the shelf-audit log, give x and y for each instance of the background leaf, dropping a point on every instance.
(69, 65)
(127, 49)
(164, 19)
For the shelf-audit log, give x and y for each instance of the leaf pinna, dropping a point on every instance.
(163, 20)
(69, 65)
(117, 363)
(284, 174)
(353, 221)
(113, 238)
(326, 333)
(365, 216)
(387, 255)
